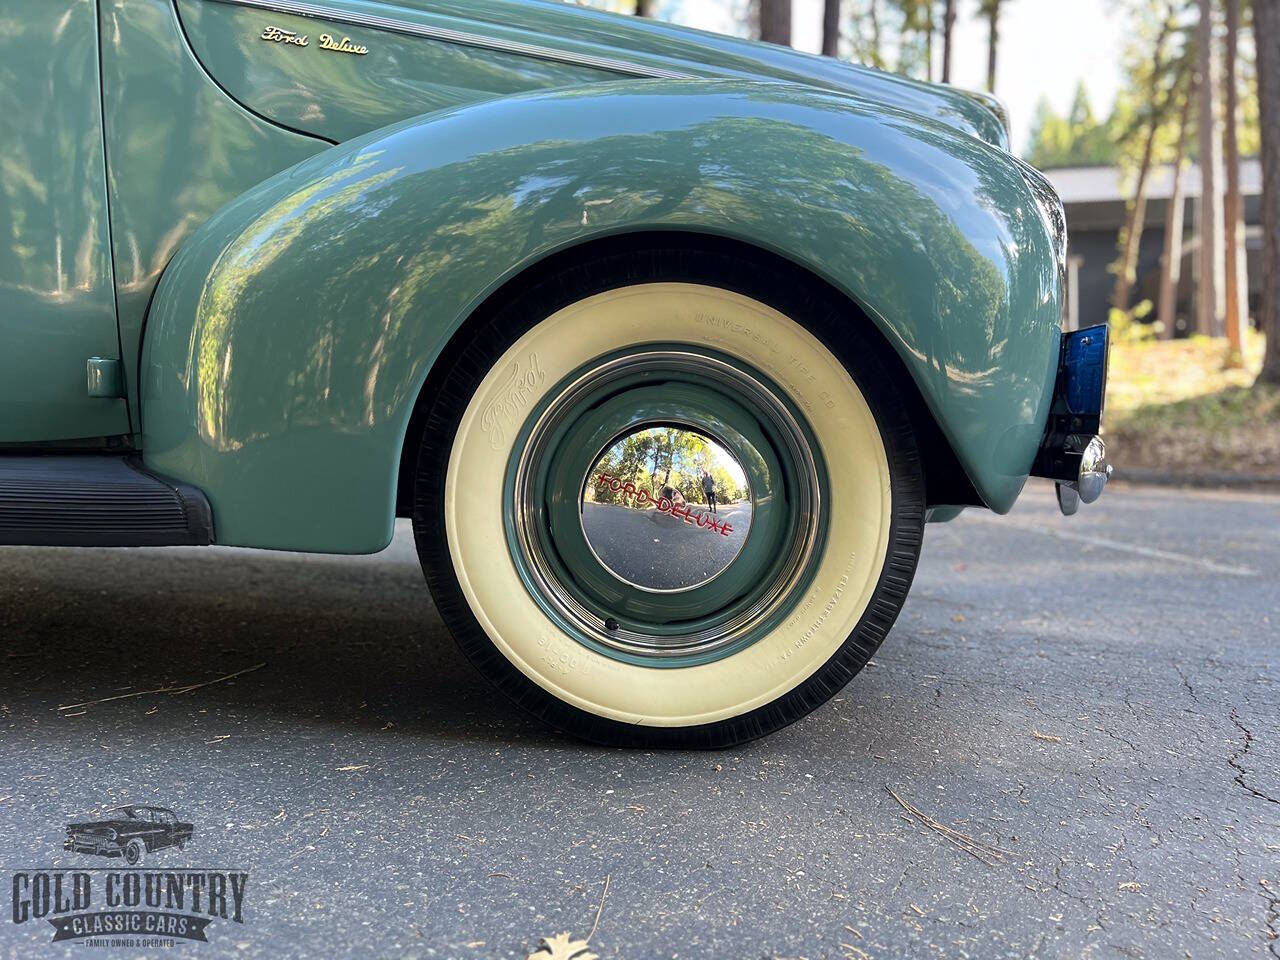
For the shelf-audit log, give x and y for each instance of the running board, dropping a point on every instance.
(97, 501)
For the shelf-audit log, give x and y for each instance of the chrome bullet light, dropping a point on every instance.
(1090, 481)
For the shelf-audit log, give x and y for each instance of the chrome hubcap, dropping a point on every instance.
(666, 508)
(612, 523)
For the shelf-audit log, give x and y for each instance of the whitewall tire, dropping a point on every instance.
(733, 353)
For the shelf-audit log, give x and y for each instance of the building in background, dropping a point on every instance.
(1095, 197)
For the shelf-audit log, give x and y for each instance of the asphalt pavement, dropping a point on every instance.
(1068, 747)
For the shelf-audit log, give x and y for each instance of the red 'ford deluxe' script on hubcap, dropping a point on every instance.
(704, 521)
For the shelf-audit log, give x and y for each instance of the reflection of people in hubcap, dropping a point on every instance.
(709, 488)
(673, 498)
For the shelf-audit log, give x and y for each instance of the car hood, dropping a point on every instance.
(701, 53)
(420, 55)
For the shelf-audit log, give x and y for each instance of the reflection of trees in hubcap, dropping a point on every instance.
(658, 457)
(651, 500)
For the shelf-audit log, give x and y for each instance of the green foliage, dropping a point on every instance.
(1126, 326)
(1078, 139)
(1158, 63)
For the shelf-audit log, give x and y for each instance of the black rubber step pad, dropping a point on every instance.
(97, 501)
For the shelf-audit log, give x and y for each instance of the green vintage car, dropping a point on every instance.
(668, 343)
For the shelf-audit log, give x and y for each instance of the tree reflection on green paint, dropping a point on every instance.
(329, 305)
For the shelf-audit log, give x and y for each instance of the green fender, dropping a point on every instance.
(290, 337)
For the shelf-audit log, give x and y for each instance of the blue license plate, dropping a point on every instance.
(1085, 362)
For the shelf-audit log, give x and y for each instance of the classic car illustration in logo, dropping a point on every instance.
(136, 832)
(128, 905)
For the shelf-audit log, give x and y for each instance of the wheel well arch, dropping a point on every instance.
(946, 482)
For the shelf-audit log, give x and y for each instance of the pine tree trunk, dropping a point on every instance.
(831, 28)
(646, 8)
(1135, 220)
(1171, 262)
(928, 41)
(1266, 31)
(1130, 240)
(1237, 277)
(876, 58)
(993, 42)
(775, 21)
(1212, 312)
(948, 27)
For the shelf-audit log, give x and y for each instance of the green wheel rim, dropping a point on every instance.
(665, 385)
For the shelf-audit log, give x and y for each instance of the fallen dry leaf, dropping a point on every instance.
(562, 947)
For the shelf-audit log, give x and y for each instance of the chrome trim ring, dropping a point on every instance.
(318, 11)
(800, 551)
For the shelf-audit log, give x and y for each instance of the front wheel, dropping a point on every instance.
(561, 518)
(134, 851)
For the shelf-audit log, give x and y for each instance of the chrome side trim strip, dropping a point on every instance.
(321, 12)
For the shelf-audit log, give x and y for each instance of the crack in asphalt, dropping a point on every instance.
(1058, 882)
(1186, 683)
(1119, 739)
(1273, 919)
(1239, 755)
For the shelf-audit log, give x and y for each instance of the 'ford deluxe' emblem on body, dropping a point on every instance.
(327, 42)
(274, 34)
(278, 35)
